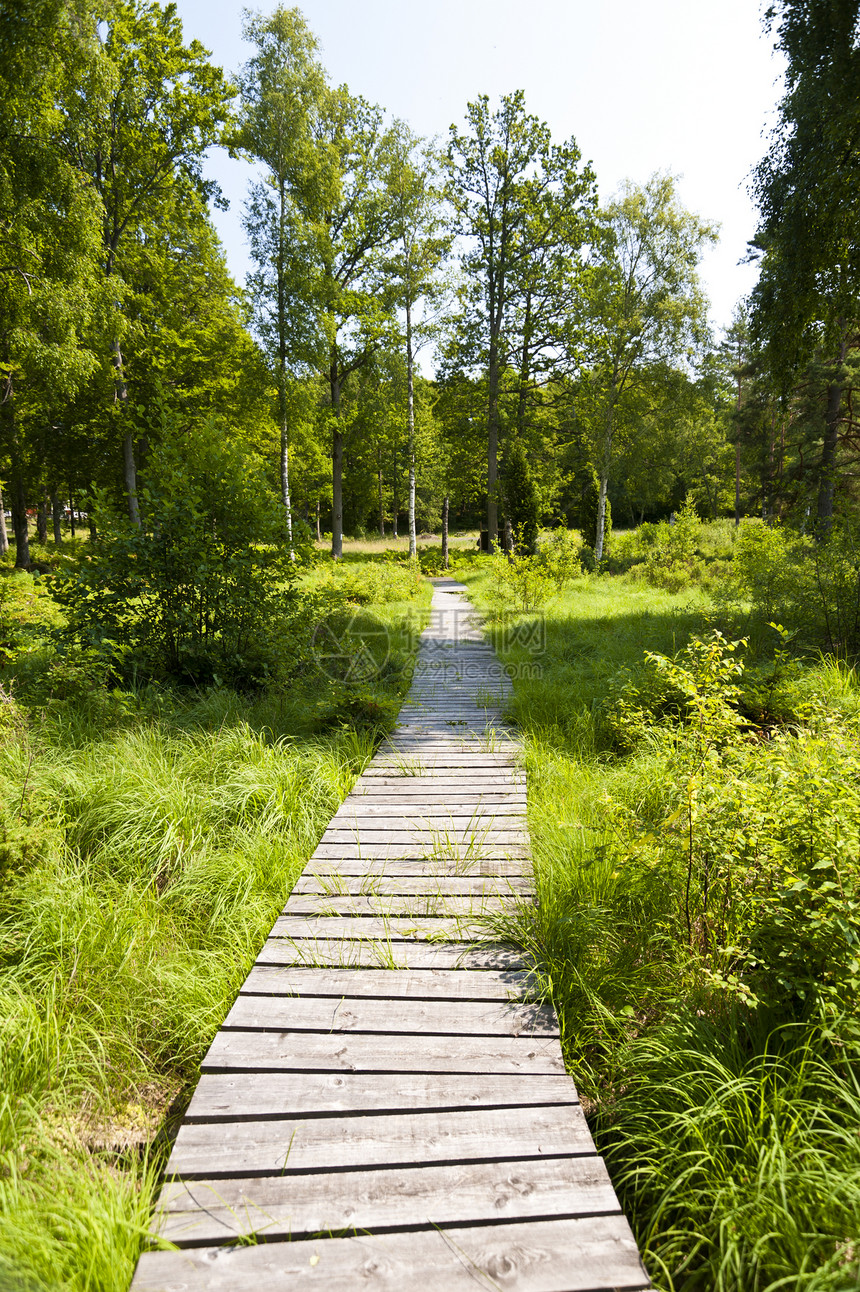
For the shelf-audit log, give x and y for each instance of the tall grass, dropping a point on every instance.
(730, 1130)
(147, 843)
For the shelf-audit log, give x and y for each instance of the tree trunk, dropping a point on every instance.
(4, 537)
(319, 531)
(737, 481)
(601, 516)
(57, 516)
(18, 498)
(445, 532)
(827, 481)
(410, 411)
(285, 464)
(42, 519)
(129, 466)
(493, 446)
(379, 491)
(509, 539)
(336, 467)
(282, 368)
(72, 514)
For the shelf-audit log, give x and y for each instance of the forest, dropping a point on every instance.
(203, 476)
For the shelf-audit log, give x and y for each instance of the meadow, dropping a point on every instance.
(694, 807)
(148, 838)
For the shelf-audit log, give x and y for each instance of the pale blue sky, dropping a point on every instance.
(683, 85)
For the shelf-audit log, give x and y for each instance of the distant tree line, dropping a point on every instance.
(573, 354)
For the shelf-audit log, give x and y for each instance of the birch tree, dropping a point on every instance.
(522, 205)
(421, 247)
(645, 307)
(141, 148)
(283, 87)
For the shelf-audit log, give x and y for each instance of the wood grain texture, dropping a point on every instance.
(369, 1014)
(231, 1097)
(374, 954)
(419, 984)
(369, 1052)
(567, 1255)
(284, 1207)
(399, 1139)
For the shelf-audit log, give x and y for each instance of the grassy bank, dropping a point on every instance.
(148, 839)
(695, 821)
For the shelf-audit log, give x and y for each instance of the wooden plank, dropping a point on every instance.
(357, 809)
(378, 929)
(417, 984)
(428, 884)
(251, 1096)
(406, 837)
(276, 1207)
(362, 1052)
(438, 905)
(455, 849)
(397, 1139)
(515, 869)
(365, 1014)
(564, 1255)
(344, 953)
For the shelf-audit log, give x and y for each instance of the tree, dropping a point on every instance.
(522, 203)
(806, 304)
(645, 307)
(49, 234)
(283, 87)
(421, 247)
(141, 148)
(520, 498)
(358, 225)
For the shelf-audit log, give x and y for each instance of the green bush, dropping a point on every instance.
(201, 590)
(671, 549)
(520, 500)
(560, 557)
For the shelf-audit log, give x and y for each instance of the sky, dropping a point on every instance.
(686, 86)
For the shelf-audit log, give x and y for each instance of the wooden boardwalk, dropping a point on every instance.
(384, 1106)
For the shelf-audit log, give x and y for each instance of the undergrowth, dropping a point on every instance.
(694, 806)
(148, 839)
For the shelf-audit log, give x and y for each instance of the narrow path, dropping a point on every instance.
(384, 1107)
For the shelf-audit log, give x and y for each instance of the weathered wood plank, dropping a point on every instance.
(379, 929)
(443, 811)
(397, 1139)
(391, 984)
(381, 955)
(370, 1052)
(566, 1255)
(289, 1207)
(253, 1096)
(437, 905)
(428, 884)
(395, 836)
(516, 869)
(455, 848)
(365, 1014)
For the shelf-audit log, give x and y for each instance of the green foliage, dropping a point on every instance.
(519, 581)
(695, 834)
(560, 557)
(586, 495)
(672, 553)
(201, 590)
(520, 500)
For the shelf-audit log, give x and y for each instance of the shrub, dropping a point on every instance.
(670, 558)
(201, 588)
(520, 500)
(560, 557)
